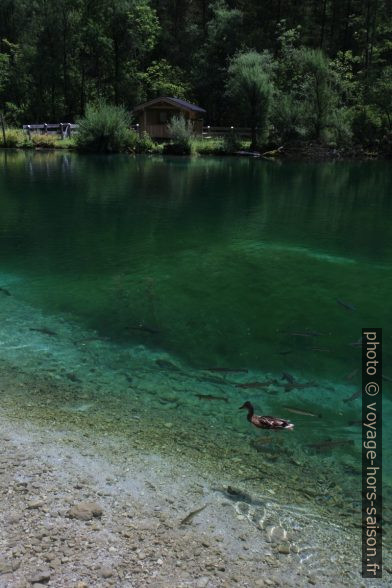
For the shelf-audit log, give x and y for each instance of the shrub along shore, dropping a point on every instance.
(107, 129)
(17, 139)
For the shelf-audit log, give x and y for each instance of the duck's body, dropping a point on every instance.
(265, 422)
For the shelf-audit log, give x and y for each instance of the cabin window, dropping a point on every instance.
(163, 116)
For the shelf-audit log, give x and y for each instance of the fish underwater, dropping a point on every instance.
(227, 370)
(329, 444)
(351, 375)
(302, 412)
(290, 379)
(211, 397)
(346, 305)
(166, 365)
(144, 328)
(303, 334)
(256, 384)
(354, 396)
(186, 520)
(44, 330)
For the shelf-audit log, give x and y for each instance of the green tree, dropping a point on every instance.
(132, 28)
(163, 79)
(223, 38)
(318, 89)
(250, 86)
(4, 69)
(381, 96)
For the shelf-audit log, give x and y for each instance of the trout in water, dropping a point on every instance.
(228, 370)
(354, 396)
(288, 377)
(302, 412)
(144, 329)
(191, 515)
(351, 375)
(210, 397)
(44, 330)
(346, 305)
(329, 444)
(256, 384)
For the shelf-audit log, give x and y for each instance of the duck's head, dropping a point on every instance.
(247, 405)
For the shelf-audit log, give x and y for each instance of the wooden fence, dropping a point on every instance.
(216, 132)
(65, 130)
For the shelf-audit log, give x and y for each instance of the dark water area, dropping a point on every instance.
(221, 261)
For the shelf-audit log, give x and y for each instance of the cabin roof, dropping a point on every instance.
(183, 104)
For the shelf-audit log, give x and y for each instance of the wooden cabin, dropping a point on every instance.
(154, 115)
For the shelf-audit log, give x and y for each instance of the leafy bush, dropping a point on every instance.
(288, 118)
(366, 125)
(105, 129)
(14, 138)
(232, 142)
(340, 128)
(144, 144)
(181, 133)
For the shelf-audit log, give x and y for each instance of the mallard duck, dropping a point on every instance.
(265, 422)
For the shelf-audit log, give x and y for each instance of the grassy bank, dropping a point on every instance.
(138, 144)
(144, 144)
(17, 139)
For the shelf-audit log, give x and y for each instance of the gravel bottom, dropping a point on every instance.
(114, 476)
(83, 511)
(72, 516)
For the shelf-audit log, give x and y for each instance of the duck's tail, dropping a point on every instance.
(289, 426)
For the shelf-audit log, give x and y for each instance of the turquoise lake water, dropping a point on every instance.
(221, 260)
(213, 264)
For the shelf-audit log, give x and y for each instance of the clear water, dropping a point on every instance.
(168, 268)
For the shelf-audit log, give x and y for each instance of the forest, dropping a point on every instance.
(294, 70)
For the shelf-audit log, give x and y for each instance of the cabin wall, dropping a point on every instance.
(154, 121)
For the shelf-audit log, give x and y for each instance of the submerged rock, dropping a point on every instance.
(85, 511)
(41, 577)
(106, 572)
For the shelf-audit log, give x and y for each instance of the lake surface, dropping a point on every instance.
(200, 266)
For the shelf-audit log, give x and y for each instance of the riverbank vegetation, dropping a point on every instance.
(309, 72)
(15, 138)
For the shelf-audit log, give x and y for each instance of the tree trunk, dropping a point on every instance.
(65, 64)
(332, 27)
(253, 135)
(253, 124)
(346, 29)
(323, 19)
(82, 92)
(116, 71)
